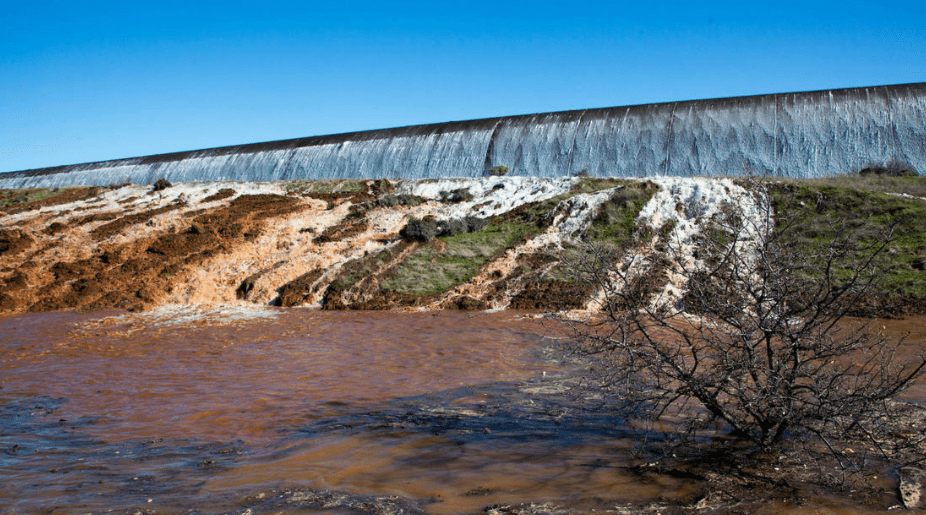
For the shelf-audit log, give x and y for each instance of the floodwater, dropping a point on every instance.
(311, 412)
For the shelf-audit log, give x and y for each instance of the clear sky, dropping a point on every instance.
(88, 81)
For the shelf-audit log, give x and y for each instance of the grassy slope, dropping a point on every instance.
(431, 270)
(28, 198)
(428, 270)
(915, 186)
(853, 203)
(24, 196)
(616, 221)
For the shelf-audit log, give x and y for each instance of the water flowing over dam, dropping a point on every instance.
(809, 134)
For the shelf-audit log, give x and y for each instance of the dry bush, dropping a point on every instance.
(757, 353)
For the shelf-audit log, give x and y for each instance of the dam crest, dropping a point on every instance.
(806, 134)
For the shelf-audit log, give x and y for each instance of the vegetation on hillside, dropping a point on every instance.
(817, 208)
(326, 186)
(33, 198)
(616, 219)
(453, 260)
(914, 186)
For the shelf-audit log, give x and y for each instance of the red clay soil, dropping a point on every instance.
(222, 194)
(116, 226)
(376, 300)
(295, 292)
(55, 228)
(145, 271)
(14, 241)
(142, 272)
(465, 303)
(351, 226)
(536, 291)
(545, 295)
(96, 217)
(334, 199)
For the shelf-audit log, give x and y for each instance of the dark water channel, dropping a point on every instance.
(308, 412)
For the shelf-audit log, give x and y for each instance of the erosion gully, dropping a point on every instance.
(302, 411)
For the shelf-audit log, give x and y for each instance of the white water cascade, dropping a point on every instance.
(811, 134)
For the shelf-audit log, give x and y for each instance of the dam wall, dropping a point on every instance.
(809, 134)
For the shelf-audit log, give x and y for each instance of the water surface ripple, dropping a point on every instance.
(305, 412)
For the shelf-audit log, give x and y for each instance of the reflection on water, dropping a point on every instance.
(305, 412)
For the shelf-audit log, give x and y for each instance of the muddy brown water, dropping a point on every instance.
(313, 412)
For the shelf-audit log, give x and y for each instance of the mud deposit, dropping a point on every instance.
(333, 245)
(339, 244)
(301, 411)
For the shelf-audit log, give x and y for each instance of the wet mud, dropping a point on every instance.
(141, 272)
(116, 226)
(14, 241)
(135, 248)
(284, 411)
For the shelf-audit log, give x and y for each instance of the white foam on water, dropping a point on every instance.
(184, 314)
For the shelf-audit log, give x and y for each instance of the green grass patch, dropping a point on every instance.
(615, 221)
(326, 186)
(593, 184)
(426, 271)
(26, 195)
(915, 186)
(540, 213)
(819, 211)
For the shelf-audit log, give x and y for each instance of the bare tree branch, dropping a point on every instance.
(760, 341)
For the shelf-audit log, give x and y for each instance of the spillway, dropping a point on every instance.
(807, 134)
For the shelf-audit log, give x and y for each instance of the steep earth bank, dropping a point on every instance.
(491, 243)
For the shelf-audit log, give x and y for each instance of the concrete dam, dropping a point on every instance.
(807, 134)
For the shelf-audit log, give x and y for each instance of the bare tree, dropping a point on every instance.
(760, 345)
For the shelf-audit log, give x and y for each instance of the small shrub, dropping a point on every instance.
(423, 230)
(497, 171)
(427, 229)
(457, 195)
(694, 208)
(452, 227)
(894, 168)
(388, 201)
(766, 360)
(161, 184)
(475, 224)
(399, 200)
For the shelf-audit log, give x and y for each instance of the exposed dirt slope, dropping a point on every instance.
(335, 244)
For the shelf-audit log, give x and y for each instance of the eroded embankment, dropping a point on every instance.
(490, 243)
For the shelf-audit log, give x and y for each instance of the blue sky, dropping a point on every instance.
(88, 81)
